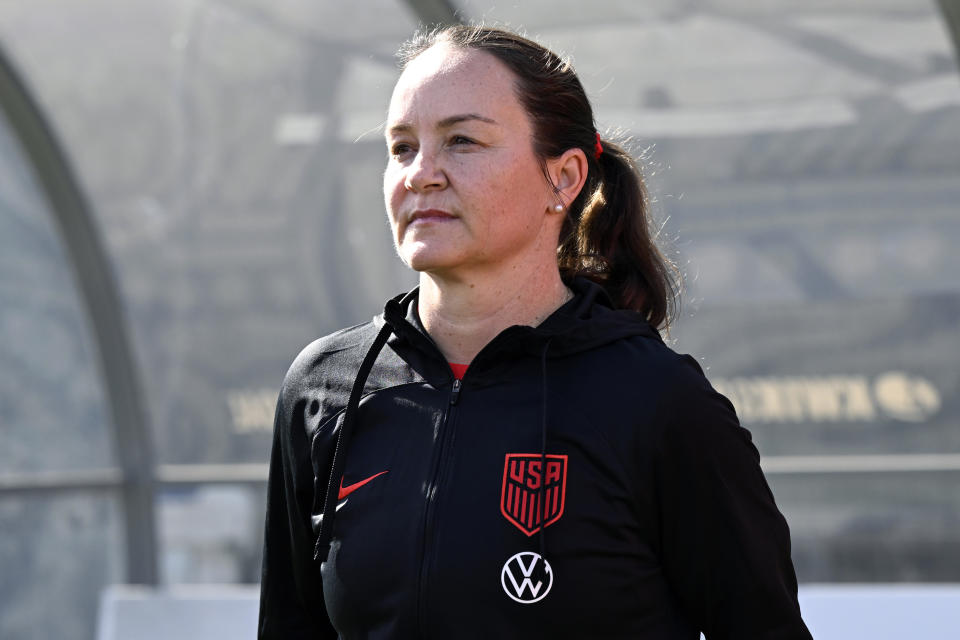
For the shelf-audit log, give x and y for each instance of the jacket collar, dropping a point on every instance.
(585, 322)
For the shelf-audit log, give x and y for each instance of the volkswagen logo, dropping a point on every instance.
(527, 577)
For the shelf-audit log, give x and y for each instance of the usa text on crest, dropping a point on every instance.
(520, 496)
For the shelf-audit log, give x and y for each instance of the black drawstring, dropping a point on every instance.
(543, 450)
(343, 442)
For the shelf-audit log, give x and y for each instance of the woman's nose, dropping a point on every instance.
(425, 173)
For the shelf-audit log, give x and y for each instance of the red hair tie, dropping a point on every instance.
(598, 148)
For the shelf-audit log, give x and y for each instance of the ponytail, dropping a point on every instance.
(607, 239)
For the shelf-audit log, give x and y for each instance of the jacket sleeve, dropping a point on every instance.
(725, 547)
(291, 591)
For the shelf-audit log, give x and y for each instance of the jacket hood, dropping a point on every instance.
(586, 321)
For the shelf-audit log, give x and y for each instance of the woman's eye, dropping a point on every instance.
(400, 149)
(458, 140)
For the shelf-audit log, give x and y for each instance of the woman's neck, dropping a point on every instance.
(462, 315)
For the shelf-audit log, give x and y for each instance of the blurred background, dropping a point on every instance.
(190, 192)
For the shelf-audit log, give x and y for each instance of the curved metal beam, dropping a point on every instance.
(951, 15)
(100, 298)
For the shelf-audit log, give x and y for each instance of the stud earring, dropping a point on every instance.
(558, 208)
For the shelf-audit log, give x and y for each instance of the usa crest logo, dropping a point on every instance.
(523, 474)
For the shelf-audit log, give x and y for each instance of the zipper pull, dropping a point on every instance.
(455, 392)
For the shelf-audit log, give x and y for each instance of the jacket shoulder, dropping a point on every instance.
(646, 361)
(343, 346)
(691, 416)
(323, 373)
(676, 397)
(681, 372)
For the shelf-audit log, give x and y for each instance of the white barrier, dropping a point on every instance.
(881, 611)
(188, 612)
(832, 611)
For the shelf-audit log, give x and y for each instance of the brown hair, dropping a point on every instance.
(606, 236)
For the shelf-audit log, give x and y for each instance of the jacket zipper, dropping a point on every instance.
(430, 512)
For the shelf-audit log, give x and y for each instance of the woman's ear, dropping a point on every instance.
(568, 172)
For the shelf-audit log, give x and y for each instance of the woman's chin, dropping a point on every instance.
(428, 265)
(428, 259)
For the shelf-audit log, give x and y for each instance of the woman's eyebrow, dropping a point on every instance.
(452, 120)
(446, 123)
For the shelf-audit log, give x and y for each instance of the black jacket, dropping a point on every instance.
(659, 521)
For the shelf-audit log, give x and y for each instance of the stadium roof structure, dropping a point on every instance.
(190, 191)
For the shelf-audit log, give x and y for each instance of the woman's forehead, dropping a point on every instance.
(444, 80)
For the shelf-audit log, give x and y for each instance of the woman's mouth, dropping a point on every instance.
(429, 215)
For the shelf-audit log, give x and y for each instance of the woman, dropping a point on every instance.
(510, 450)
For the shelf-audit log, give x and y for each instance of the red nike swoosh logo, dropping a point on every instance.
(345, 491)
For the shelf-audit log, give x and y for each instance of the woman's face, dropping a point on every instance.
(463, 188)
